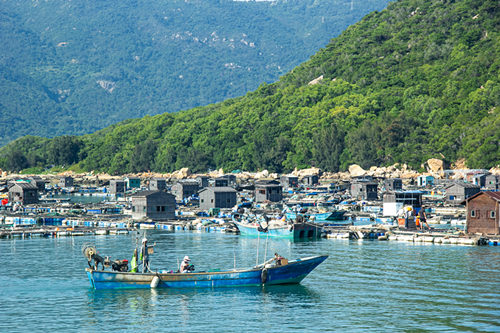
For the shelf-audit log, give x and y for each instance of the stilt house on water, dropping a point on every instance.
(217, 197)
(185, 188)
(24, 193)
(483, 215)
(268, 191)
(116, 186)
(156, 205)
(364, 190)
(157, 184)
(66, 181)
(458, 192)
(393, 184)
(492, 183)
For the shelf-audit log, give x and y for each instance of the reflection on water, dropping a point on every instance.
(362, 286)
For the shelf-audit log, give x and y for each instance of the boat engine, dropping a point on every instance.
(120, 265)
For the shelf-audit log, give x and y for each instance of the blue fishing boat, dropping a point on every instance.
(294, 231)
(275, 273)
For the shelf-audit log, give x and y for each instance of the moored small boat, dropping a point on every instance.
(295, 231)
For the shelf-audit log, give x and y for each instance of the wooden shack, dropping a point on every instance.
(217, 197)
(393, 184)
(458, 192)
(364, 190)
(157, 184)
(268, 191)
(221, 182)
(185, 189)
(203, 181)
(483, 215)
(38, 182)
(310, 180)
(116, 186)
(288, 181)
(66, 181)
(155, 205)
(492, 182)
(24, 193)
(133, 182)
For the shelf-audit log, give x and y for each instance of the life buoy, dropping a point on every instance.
(263, 276)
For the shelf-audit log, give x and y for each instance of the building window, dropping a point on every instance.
(473, 213)
(158, 208)
(162, 208)
(228, 200)
(133, 208)
(202, 200)
(492, 214)
(143, 208)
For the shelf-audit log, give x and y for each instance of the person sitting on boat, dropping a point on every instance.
(186, 267)
(278, 259)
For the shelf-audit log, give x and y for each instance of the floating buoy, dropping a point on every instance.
(155, 282)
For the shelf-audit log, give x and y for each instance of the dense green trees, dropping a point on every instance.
(412, 82)
(75, 67)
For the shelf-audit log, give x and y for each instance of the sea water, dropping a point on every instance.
(362, 286)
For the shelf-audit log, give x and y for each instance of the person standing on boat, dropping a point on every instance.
(144, 255)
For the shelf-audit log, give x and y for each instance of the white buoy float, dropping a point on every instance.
(155, 282)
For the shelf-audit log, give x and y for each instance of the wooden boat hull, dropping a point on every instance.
(296, 231)
(292, 273)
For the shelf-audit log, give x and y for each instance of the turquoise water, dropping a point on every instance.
(363, 286)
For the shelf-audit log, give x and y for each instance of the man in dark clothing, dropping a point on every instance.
(423, 218)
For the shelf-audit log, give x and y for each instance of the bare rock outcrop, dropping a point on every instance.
(306, 172)
(316, 80)
(182, 173)
(435, 165)
(356, 171)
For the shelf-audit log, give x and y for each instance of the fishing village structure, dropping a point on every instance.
(345, 205)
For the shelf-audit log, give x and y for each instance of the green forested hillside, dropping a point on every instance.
(415, 81)
(73, 67)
